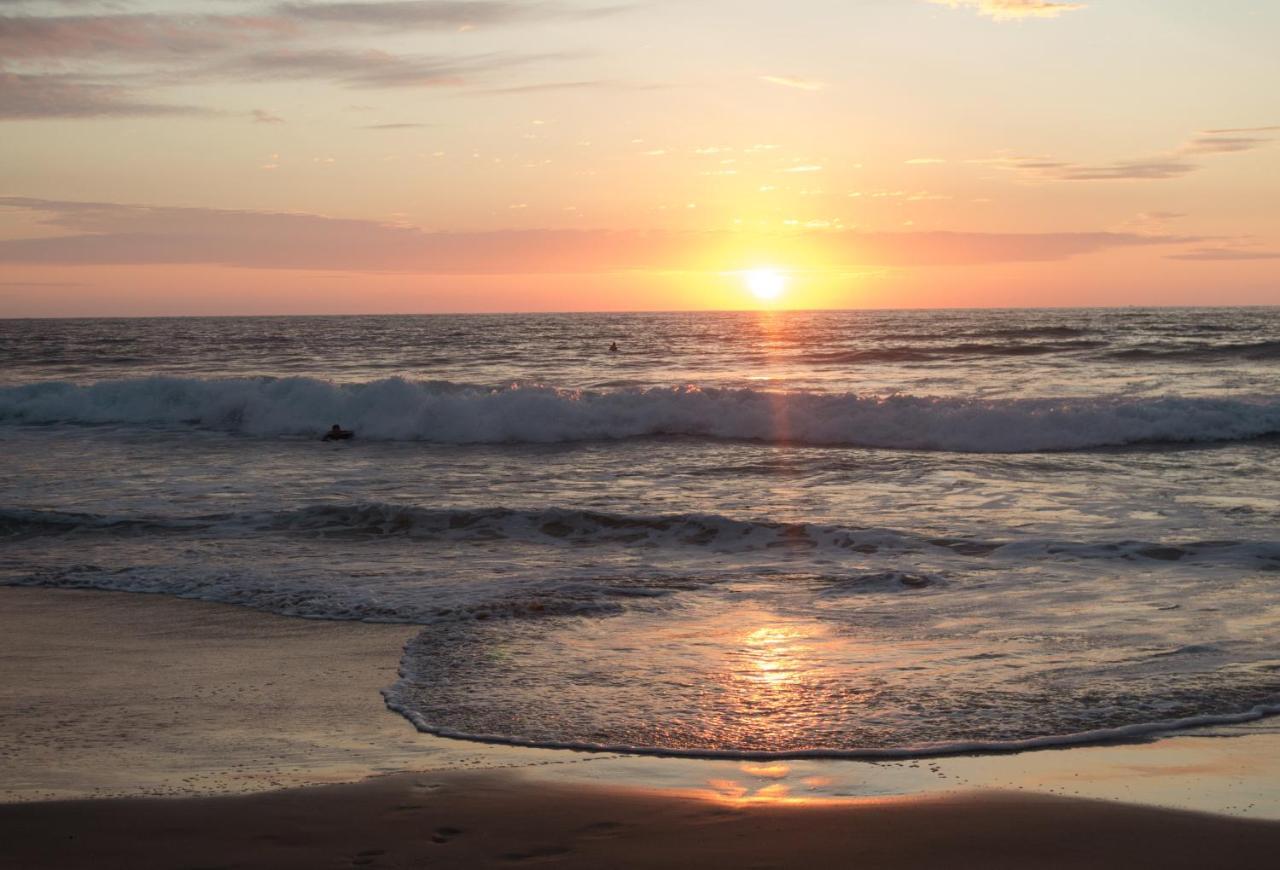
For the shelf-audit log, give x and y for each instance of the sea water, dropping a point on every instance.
(817, 533)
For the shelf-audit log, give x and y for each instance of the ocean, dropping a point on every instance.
(743, 534)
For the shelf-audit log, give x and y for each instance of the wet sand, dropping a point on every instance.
(502, 820)
(105, 695)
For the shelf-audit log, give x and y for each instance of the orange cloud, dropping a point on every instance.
(117, 234)
(1225, 254)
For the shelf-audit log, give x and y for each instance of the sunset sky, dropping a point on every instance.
(236, 157)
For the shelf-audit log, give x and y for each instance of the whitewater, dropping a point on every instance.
(756, 534)
(399, 409)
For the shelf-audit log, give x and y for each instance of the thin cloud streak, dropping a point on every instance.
(437, 14)
(60, 59)
(1223, 144)
(1043, 169)
(131, 37)
(1224, 255)
(579, 85)
(1172, 164)
(35, 97)
(110, 233)
(160, 36)
(1270, 129)
(369, 68)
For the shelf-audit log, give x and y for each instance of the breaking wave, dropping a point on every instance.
(1258, 351)
(927, 353)
(442, 412)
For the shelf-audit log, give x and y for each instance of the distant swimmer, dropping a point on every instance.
(337, 433)
(613, 347)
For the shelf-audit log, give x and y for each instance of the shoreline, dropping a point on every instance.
(113, 694)
(151, 732)
(1120, 735)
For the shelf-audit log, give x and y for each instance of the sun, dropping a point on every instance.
(765, 284)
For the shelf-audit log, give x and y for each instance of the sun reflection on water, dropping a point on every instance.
(774, 651)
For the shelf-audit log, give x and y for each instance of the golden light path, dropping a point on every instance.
(777, 660)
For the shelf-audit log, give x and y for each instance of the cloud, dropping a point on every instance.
(431, 14)
(85, 58)
(356, 68)
(1171, 164)
(261, 116)
(1010, 10)
(130, 37)
(151, 36)
(370, 68)
(400, 126)
(583, 84)
(962, 248)
(1125, 169)
(1222, 144)
(435, 14)
(110, 233)
(1271, 129)
(30, 97)
(1226, 141)
(799, 84)
(1056, 170)
(1225, 254)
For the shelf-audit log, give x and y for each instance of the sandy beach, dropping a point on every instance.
(133, 736)
(491, 819)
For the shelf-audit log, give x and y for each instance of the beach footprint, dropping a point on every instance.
(367, 857)
(445, 834)
(601, 829)
(535, 852)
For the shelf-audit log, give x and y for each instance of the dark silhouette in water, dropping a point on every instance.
(613, 347)
(337, 433)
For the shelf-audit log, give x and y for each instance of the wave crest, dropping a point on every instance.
(576, 527)
(442, 412)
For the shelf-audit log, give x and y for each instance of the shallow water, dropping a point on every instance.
(801, 532)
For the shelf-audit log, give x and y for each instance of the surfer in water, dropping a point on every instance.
(337, 433)
(613, 347)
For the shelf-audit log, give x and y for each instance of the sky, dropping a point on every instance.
(257, 157)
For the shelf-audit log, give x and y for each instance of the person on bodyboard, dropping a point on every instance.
(337, 433)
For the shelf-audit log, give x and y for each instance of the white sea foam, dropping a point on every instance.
(1123, 733)
(399, 409)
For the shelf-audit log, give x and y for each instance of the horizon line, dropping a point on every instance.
(640, 311)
